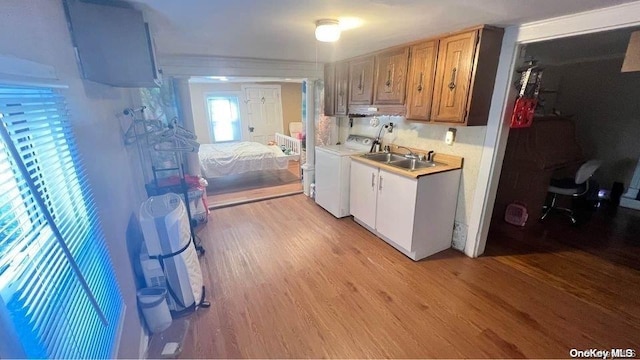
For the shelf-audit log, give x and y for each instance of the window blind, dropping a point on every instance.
(56, 278)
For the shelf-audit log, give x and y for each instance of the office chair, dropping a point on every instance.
(574, 187)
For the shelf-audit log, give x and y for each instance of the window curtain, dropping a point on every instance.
(58, 293)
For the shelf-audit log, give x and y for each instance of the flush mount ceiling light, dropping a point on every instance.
(327, 30)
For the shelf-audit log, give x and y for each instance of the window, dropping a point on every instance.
(58, 293)
(224, 118)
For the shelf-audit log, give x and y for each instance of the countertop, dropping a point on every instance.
(450, 162)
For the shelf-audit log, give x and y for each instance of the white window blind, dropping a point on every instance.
(57, 284)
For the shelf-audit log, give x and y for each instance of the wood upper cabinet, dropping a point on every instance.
(391, 76)
(445, 80)
(455, 63)
(329, 89)
(465, 75)
(361, 81)
(341, 88)
(422, 68)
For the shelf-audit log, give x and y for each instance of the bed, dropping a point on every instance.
(225, 159)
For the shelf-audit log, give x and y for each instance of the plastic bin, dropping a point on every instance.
(154, 307)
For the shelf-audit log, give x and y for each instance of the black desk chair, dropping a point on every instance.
(574, 187)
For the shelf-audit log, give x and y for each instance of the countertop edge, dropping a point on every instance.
(406, 173)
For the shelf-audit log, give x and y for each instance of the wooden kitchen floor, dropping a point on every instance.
(288, 280)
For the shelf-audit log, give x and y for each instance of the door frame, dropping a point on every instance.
(241, 110)
(610, 18)
(243, 90)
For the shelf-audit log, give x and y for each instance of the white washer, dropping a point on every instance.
(333, 171)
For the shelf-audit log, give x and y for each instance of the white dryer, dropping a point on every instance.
(333, 172)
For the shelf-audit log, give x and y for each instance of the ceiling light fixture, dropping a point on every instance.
(327, 30)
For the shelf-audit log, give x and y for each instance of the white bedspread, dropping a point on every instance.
(240, 157)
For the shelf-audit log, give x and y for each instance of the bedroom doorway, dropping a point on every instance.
(238, 166)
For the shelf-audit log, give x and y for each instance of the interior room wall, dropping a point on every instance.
(605, 105)
(291, 95)
(468, 144)
(37, 31)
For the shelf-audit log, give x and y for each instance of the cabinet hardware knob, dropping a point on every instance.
(452, 84)
(388, 82)
(420, 83)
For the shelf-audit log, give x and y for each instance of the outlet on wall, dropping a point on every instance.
(459, 236)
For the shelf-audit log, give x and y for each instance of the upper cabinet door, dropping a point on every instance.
(342, 88)
(329, 89)
(391, 76)
(422, 69)
(452, 83)
(361, 81)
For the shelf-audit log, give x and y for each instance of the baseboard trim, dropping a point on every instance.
(630, 203)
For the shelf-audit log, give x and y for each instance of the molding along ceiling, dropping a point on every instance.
(284, 29)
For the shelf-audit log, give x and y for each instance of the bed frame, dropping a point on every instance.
(289, 142)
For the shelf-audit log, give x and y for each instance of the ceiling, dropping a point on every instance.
(284, 29)
(589, 47)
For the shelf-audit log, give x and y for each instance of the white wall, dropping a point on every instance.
(607, 113)
(37, 31)
(415, 134)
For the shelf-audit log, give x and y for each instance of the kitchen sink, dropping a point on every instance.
(413, 164)
(383, 157)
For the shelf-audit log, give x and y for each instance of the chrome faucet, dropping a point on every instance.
(410, 155)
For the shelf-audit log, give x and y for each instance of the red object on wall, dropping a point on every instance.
(523, 112)
(525, 107)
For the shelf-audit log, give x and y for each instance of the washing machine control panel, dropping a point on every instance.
(359, 142)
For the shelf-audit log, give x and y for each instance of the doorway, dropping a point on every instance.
(588, 110)
(239, 116)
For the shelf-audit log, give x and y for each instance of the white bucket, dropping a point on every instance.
(154, 307)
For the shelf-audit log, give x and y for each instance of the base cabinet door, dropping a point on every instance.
(363, 193)
(396, 208)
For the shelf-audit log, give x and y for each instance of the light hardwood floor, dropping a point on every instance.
(288, 280)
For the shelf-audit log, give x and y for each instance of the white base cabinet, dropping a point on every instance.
(415, 216)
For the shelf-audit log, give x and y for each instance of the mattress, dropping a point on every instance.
(240, 157)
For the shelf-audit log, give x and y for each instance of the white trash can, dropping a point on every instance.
(154, 306)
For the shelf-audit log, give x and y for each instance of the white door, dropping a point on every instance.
(363, 192)
(396, 208)
(264, 112)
